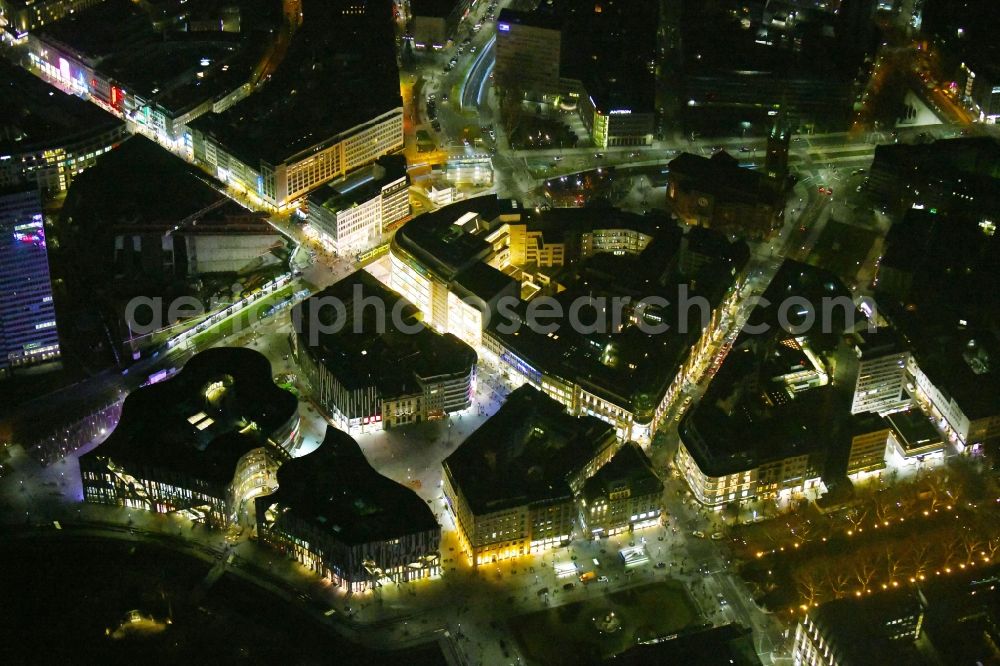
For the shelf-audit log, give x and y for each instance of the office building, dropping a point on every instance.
(723, 645)
(354, 214)
(511, 484)
(528, 52)
(719, 194)
(855, 631)
(622, 496)
(743, 64)
(914, 437)
(610, 67)
(333, 106)
(28, 332)
(338, 517)
(371, 363)
(979, 87)
(881, 383)
(948, 175)
(202, 444)
(870, 436)
(48, 137)
(931, 284)
(942, 619)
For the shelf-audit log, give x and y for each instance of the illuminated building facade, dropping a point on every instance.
(512, 484)
(51, 136)
(286, 179)
(870, 435)
(765, 426)
(28, 332)
(354, 214)
(979, 86)
(332, 106)
(203, 444)
(114, 56)
(433, 259)
(881, 383)
(937, 266)
(338, 517)
(612, 127)
(370, 362)
(853, 631)
(622, 496)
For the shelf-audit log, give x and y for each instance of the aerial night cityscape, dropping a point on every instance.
(500, 332)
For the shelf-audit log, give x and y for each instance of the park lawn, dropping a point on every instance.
(567, 635)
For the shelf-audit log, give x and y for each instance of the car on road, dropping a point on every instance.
(661, 565)
(744, 149)
(718, 536)
(602, 579)
(557, 158)
(698, 534)
(599, 155)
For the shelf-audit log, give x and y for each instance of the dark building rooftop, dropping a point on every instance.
(447, 248)
(360, 353)
(913, 429)
(629, 367)
(728, 645)
(110, 193)
(629, 467)
(612, 51)
(744, 418)
(525, 453)
(533, 19)
(864, 631)
(36, 116)
(339, 72)
(434, 8)
(359, 186)
(722, 176)
(100, 31)
(200, 422)
(937, 283)
(339, 493)
(153, 54)
(486, 282)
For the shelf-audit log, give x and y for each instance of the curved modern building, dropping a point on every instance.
(203, 444)
(338, 517)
